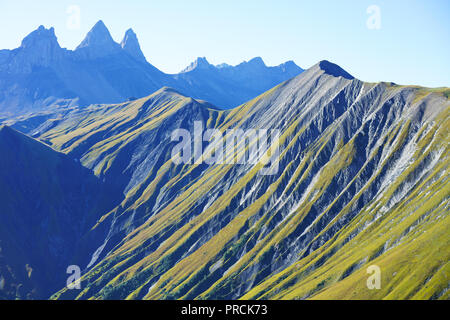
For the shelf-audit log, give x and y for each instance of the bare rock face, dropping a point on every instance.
(198, 64)
(131, 45)
(39, 49)
(98, 43)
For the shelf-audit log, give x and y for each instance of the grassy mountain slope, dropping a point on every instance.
(362, 181)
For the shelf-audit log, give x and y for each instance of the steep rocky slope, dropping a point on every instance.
(362, 180)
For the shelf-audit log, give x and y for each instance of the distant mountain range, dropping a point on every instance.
(362, 181)
(40, 74)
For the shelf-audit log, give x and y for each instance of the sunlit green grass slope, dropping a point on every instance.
(362, 181)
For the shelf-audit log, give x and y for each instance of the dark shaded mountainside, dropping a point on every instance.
(40, 74)
(362, 180)
(48, 203)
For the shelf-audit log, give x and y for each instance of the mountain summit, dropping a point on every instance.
(39, 48)
(98, 42)
(98, 36)
(199, 63)
(41, 37)
(333, 69)
(257, 61)
(131, 45)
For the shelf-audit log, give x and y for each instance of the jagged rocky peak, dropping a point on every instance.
(289, 68)
(131, 45)
(290, 65)
(332, 69)
(98, 35)
(40, 47)
(40, 38)
(199, 63)
(257, 61)
(254, 63)
(41, 43)
(98, 42)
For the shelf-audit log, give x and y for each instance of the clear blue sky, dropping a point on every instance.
(411, 47)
